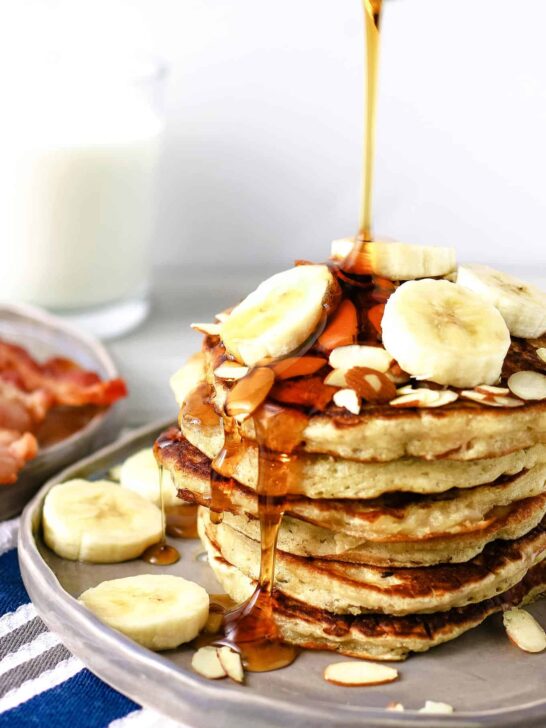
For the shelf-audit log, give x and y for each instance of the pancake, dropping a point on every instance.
(395, 517)
(380, 637)
(304, 539)
(329, 477)
(324, 476)
(343, 588)
(463, 430)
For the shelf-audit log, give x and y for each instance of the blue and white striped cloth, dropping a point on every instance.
(41, 683)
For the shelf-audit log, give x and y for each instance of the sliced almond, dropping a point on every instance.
(347, 357)
(231, 662)
(342, 328)
(373, 386)
(355, 674)
(488, 389)
(348, 399)
(397, 707)
(249, 393)
(524, 631)
(541, 353)
(431, 706)
(207, 329)
(375, 316)
(336, 378)
(231, 370)
(528, 385)
(207, 663)
(397, 374)
(298, 366)
(491, 400)
(425, 398)
(407, 389)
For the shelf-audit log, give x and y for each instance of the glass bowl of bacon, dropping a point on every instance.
(59, 400)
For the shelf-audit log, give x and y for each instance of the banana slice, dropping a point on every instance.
(398, 261)
(279, 315)
(187, 377)
(99, 522)
(158, 611)
(445, 333)
(522, 305)
(140, 474)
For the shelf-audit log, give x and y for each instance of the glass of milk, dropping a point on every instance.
(78, 162)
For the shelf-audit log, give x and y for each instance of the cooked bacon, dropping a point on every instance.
(28, 390)
(15, 450)
(62, 379)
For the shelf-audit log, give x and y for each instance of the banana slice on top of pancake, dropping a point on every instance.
(397, 261)
(280, 315)
(446, 333)
(522, 305)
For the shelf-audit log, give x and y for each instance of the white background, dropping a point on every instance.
(261, 159)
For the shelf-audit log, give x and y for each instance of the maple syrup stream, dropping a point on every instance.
(250, 628)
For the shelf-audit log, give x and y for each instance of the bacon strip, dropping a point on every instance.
(28, 390)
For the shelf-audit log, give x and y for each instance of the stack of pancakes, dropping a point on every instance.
(408, 527)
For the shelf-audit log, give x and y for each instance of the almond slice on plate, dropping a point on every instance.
(208, 329)
(232, 664)
(491, 400)
(425, 398)
(373, 357)
(528, 385)
(355, 674)
(348, 399)
(231, 370)
(488, 389)
(524, 631)
(431, 706)
(541, 353)
(397, 707)
(207, 663)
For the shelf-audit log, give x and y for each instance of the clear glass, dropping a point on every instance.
(77, 188)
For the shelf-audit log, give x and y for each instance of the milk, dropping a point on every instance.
(76, 196)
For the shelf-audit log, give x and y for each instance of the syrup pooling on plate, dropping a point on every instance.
(161, 553)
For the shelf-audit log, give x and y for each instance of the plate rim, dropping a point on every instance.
(79, 627)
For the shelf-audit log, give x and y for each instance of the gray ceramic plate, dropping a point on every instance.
(487, 680)
(44, 336)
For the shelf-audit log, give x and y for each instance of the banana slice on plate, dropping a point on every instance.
(443, 332)
(398, 261)
(140, 474)
(522, 305)
(99, 521)
(280, 315)
(158, 611)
